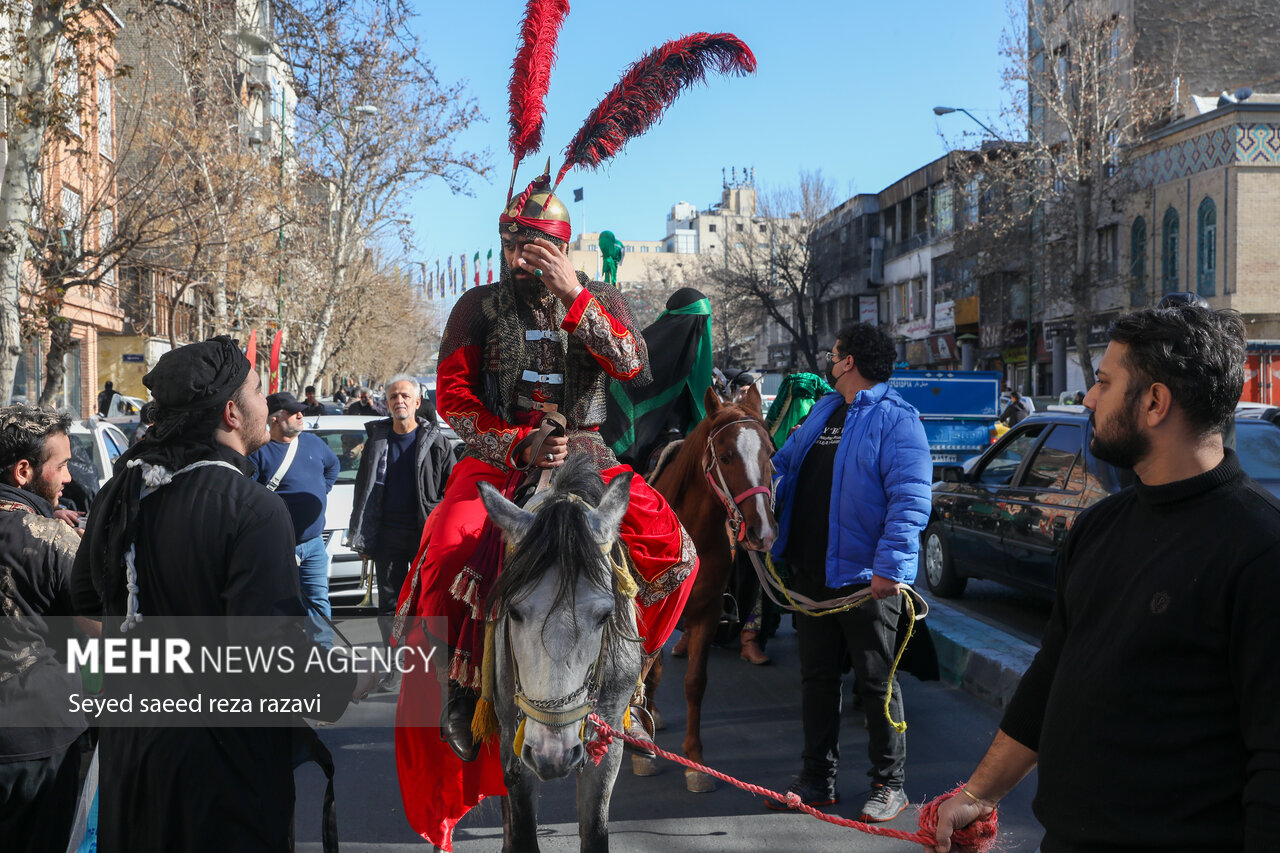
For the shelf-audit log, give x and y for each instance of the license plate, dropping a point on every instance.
(944, 457)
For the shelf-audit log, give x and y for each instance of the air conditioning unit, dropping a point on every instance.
(260, 134)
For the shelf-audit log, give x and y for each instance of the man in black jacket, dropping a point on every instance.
(1151, 706)
(403, 469)
(182, 530)
(39, 758)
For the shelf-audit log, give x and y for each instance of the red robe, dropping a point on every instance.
(437, 788)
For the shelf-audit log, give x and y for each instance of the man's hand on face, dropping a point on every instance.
(557, 271)
(882, 587)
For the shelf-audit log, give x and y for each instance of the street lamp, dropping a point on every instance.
(1026, 380)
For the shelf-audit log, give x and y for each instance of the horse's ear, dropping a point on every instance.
(606, 519)
(513, 520)
(751, 401)
(711, 401)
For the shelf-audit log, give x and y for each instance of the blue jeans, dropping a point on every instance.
(313, 576)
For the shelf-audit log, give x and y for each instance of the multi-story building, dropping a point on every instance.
(894, 261)
(77, 201)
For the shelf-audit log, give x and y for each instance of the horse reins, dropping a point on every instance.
(720, 487)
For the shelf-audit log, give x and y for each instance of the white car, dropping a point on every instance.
(346, 435)
(95, 444)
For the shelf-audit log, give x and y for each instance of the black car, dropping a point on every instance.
(1006, 515)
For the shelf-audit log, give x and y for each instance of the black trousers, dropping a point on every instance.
(867, 633)
(396, 547)
(38, 801)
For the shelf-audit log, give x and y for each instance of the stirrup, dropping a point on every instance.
(641, 726)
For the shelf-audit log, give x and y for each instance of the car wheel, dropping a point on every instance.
(939, 570)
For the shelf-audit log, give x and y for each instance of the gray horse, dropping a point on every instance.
(565, 645)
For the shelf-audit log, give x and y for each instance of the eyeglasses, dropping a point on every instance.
(832, 357)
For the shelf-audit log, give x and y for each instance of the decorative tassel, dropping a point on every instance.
(650, 85)
(484, 723)
(466, 588)
(518, 743)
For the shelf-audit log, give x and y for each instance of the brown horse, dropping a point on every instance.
(720, 485)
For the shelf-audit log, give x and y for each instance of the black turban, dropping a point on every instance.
(198, 375)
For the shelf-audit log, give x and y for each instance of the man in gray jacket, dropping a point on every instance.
(403, 469)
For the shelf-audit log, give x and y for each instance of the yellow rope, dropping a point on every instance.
(898, 725)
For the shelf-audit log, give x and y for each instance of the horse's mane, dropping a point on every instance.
(686, 468)
(561, 535)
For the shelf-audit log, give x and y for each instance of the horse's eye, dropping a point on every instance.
(603, 618)
(515, 616)
(726, 459)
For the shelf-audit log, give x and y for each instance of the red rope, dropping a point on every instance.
(977, 837)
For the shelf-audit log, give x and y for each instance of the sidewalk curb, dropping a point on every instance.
(976, 657)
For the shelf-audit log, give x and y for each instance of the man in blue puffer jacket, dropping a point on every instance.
(853, 487)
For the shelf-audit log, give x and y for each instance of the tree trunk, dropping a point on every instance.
(60, 343)
(316, 357)
(26, 134)
(1082, 279)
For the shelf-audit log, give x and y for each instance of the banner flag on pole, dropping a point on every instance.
(490, 281)
(251, 349)
(274, 364)
(439, 278)
(462, 265)
(453, 283)
(476, 264)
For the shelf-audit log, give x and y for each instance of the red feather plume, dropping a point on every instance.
(648, 88)
(531, 73)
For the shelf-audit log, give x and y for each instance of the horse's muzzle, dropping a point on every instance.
(552, 753)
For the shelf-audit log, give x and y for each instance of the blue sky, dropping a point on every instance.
(845, 87)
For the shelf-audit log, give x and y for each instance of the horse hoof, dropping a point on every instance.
(659, 722)
(642, 766)
(697, 782)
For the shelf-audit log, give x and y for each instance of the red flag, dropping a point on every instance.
(251, 349)
(476, 264)
(274, 386)
(490, 267)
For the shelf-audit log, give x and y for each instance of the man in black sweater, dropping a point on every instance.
(1151, 707)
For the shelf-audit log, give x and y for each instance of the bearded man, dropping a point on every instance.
(543, 339)
(1150, 709)
(183, 534)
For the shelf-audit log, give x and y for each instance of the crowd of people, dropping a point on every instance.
(1154, 687)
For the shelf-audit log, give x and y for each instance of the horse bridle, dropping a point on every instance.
(720, 487)
(553, 713)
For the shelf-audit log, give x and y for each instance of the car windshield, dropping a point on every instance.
(1258, 446)
(347, 445)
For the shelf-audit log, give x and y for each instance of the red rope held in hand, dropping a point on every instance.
(977, 837)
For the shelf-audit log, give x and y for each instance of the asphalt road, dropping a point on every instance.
(751, 730)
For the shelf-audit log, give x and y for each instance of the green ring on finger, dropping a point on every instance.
(538, 273)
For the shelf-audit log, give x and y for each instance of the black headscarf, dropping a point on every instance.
(679, 344)
(189, 388)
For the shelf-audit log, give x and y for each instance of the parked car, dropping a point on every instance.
(346, 435)
(95, 444)
(1005, 516)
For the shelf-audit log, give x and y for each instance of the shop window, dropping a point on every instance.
(1206, 247)
(1169, 252)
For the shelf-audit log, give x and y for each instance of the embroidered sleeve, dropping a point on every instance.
(600, 319)
(652, 591)
(486, 435)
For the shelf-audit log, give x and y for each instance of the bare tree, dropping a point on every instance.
(1078, 92)
(370, 161)
(777, 273)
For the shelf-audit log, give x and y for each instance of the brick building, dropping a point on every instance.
(78, 191)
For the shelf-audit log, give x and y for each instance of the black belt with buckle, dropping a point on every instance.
(536, 405)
